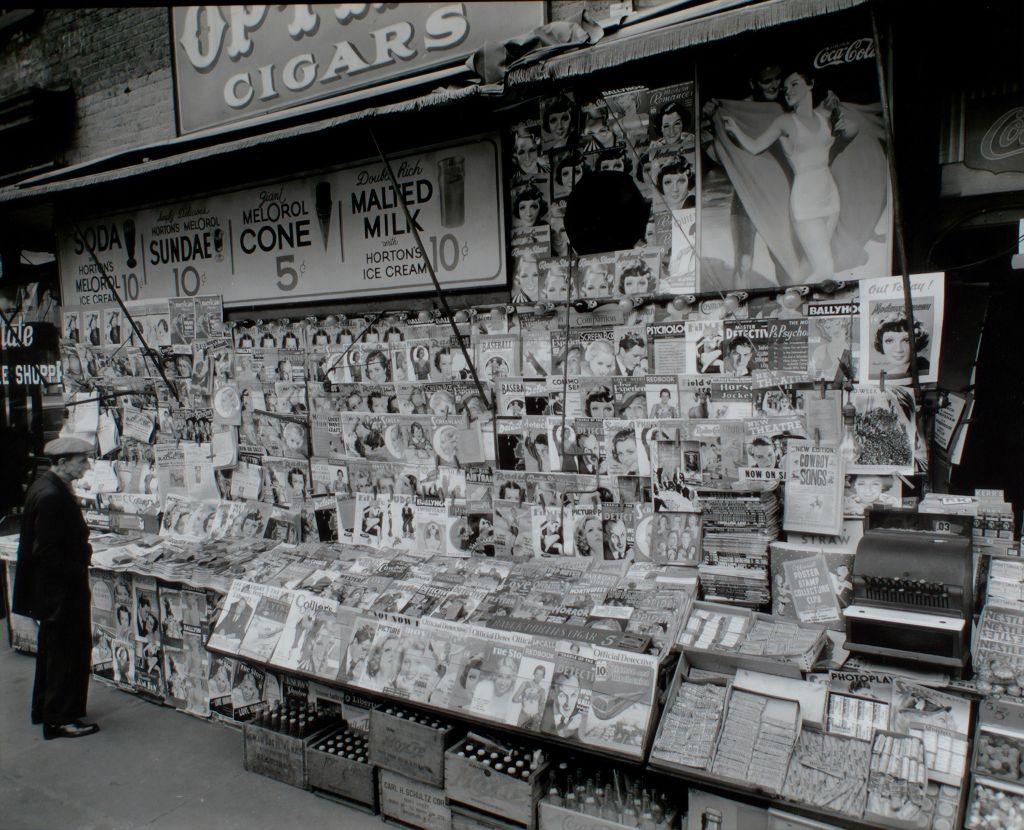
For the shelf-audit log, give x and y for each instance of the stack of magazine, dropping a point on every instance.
(739, 527)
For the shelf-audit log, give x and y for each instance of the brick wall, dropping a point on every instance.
(116, 60)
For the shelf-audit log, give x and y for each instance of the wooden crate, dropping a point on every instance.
(463, 818)
(469, 782)
(351, 780)
(553, 817)
(277, 755)
(412, 749)
(413, 802)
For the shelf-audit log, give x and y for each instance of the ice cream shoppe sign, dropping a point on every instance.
(331, 236)
(236, 62)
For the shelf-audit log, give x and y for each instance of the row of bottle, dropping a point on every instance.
(294, 718)
(516, 762)
(415, 717)
(624, 799)
(345, 743)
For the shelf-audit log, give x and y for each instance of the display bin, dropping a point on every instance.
(1000, 726)
(413, 803)
(792, 706)
(919, 823)
(276, 754)
(678, 678)
(727, 661)
(414, 750)
(474, 784)
(994, 804)
(339, 777)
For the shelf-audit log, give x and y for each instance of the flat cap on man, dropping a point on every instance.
(68, 446)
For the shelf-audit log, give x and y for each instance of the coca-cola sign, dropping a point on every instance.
(861, 49)
(1005, 138)
(994, 133)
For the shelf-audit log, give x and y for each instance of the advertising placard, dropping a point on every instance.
(337, 235)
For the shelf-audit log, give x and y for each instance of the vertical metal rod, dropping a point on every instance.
(433, 276)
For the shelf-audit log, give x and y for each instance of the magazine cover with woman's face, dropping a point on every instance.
(794, 178)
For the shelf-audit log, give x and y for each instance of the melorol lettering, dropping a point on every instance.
(206, 35)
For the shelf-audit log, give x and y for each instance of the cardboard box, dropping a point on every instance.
(552, 817)
(476, 785)
(414, 750)
(413, 802)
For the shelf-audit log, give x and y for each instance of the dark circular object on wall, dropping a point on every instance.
(605, 212)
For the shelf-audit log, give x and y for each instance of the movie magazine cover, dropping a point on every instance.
(768, 217)
(247, 688)
(833, 340)
(886, 335)
(235, 616)
(704, 347)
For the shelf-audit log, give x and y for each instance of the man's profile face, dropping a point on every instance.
(762, 456)
(568, 692)
(626, 452)
(769, 82)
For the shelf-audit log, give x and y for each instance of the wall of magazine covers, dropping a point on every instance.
(596, 484)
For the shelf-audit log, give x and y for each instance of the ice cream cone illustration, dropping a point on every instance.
(323, 209)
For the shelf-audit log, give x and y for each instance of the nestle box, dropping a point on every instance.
(472, 783)
(275, 754)
(415, 750)
(343, 777)
(413, 802)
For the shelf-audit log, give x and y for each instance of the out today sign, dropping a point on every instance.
(235, 62)
(336, 235)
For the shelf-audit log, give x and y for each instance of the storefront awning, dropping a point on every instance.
(140, 162)
(690, 26)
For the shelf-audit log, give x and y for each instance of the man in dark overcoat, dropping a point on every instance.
(51, 585)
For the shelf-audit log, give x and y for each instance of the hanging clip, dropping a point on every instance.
(881, 380)
(817, 437)
(822, 389)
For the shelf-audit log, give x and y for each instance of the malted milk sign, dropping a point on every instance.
(236, 62)
(335, 235)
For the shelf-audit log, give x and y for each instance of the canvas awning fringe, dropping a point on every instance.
(706, 25)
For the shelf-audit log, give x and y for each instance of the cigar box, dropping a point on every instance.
(472, 783)
(276, 754)
(413, 803)
(415, 750)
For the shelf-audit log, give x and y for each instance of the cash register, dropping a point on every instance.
(913, 590)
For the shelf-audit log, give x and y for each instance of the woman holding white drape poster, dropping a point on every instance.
(816, 199)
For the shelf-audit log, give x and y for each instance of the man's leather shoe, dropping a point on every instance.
(77, 729)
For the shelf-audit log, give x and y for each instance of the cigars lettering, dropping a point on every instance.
(341, 234)
(236, 62)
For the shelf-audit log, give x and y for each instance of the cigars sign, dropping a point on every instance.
(336, 235)
(236, 62)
